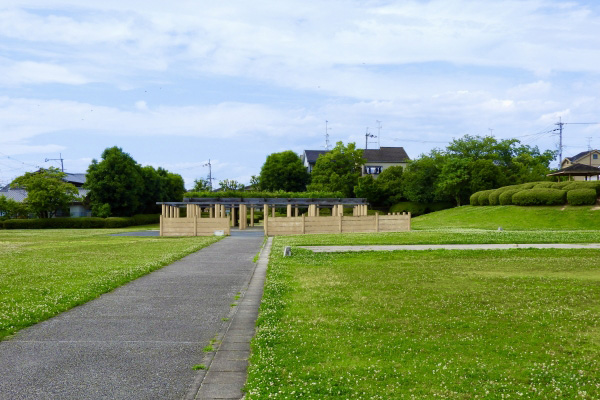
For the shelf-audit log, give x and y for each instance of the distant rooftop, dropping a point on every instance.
(383, 154)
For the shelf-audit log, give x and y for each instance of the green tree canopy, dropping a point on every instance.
(47, 192)
(230, 184)
(116, 183)
(338, 170)
(201, 185)
(283, 171)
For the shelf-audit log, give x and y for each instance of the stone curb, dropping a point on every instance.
(226, 374)
(335, 249)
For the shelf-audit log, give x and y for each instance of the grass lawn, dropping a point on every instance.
(512, 218)
(431, 324)
(45, 272)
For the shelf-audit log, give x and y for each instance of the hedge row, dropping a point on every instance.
(81, 223)
(540, 193)
(263, 195)
(417, 209)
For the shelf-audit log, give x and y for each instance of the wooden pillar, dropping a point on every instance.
(233, 218)
(195, 225)
(273, 211)
(340, 222)
(303, 224)
(289, 211)
(376, 222)
(243, 217)
(251, 215)
(317, 211)
(296, 211)
(162, 210)
(161, 223)
(223, 211)
(266, 219)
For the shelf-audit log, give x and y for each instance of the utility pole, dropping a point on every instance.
(560, 135)
(210, 178)
(327, 144)
(378, 133)
(62, 167)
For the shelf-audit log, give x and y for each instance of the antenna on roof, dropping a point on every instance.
(62, 167)
(378, 132)
(327, 144)
(367, 136)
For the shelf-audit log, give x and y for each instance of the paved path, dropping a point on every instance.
(137, 342)
(336, 249)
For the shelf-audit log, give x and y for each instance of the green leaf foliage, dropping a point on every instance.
(81, 223)
(10, 208)
(338, 170)
(47, 192)
(264, 195)
(581, 197)
(283, 171)
(540, 197)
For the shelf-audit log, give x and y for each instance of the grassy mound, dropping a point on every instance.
(512, 218)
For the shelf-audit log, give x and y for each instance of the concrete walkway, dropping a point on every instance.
(337, 249)
(139, 341)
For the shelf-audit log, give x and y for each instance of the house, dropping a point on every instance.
(76, 209)
(377, 159)
(589, 158)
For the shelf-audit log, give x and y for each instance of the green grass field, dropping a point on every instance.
(487, 324)
(512, 218)
(433, 324)
(45, 272)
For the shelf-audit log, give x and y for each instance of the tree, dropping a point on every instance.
(420, 178)
(283, 171)
(228, 184)
(10, 208)
(201, 185)
(390, 182)
(115, 183)
(368, 188)
(47, 192)
(338, 170)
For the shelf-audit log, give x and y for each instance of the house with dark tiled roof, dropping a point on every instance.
(590, 158)
(76, 209)
(377, 159)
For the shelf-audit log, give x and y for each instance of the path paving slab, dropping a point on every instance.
(139, 341)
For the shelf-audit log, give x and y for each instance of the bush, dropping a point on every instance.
(474, 199)
(528, 185)
(581, 197)
(544, 185)
(417, 209)
(81, 223)
(505, 198)
(583, 185)
(484, 197)
(560, 185)
(494, 197)
(540, 197)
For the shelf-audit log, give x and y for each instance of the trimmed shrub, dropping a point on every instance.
(560, 185)
(581, 197)
(81, 223)
(540, 197)
(494, 197)
(505, 198)
(583, 185)
(528, 185)
(484, 197)
(474, 199)
(544, 185)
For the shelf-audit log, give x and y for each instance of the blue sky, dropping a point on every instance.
(178, 84)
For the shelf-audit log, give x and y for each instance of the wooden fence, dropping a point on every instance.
(193, 226)
(337, 224)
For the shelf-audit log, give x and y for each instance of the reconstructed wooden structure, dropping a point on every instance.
(223, 213)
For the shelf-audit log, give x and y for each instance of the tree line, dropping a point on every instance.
(467, 165)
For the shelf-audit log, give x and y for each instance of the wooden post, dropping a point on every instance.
(340, 217)
(162, 210)
(233, 218)
(289, 211)
(273, 211)
(303, 224)
(251, 215)
(161, 223)
(376, 222)
(409, 221)
(317, 211)
(266, 219)
(296, 211)
(195, 225)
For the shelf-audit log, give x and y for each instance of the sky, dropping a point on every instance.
(176, 84)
